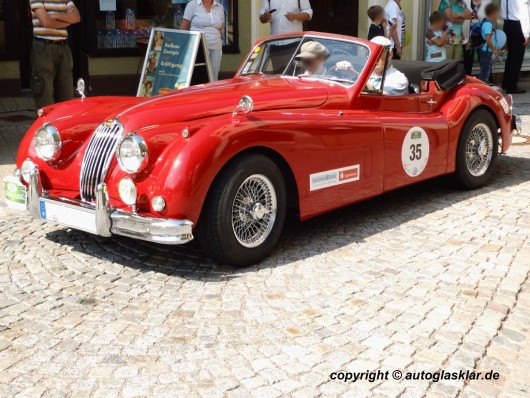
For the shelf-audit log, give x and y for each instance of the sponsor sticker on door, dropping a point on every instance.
(335, 177)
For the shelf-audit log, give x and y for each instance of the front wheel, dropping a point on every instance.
(478, 150)
(244, 212)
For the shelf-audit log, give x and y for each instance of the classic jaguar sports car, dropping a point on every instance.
(226, 161)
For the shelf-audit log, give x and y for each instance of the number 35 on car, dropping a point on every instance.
(225, 162)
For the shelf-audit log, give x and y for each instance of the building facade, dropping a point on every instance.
(114, 69)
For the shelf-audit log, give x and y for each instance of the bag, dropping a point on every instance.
(475, 37)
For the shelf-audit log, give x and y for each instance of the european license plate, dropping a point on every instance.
(15, 193)
(70, 216)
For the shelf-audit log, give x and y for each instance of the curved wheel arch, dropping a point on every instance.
(293, 202)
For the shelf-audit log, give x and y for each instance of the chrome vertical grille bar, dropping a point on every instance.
(98, 157)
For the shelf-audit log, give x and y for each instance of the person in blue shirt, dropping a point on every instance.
(488, 50)
(436, 38)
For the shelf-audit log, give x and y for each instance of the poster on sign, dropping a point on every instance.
(175, 59)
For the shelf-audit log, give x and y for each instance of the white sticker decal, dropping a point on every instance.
(331, 178)
(415, 151)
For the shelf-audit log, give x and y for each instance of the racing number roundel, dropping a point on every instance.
(415, 151)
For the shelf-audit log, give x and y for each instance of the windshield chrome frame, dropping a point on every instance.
(302, 41)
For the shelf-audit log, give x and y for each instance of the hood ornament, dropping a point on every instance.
(246, 105)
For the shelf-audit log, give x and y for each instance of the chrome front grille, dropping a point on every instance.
(98, 156)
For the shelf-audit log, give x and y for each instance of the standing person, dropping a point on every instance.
(379, 24)
(285, 16)
(489, 49)
(51, 58)
(394, 14)
(456, 12)
(207, 16)
(477, 8)
(517, 28)
(435, 38)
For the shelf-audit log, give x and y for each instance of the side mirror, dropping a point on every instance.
(81, 88)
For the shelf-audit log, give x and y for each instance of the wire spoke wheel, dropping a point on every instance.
(254, 211)
(479, 150)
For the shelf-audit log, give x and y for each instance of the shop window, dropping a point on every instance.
(125, 30)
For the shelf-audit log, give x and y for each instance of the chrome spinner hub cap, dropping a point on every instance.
(254, 211)
(479, 150)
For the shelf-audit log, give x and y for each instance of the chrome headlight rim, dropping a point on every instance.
(57, 143)
(143, 150)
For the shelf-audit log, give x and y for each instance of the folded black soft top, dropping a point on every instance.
(446, 73)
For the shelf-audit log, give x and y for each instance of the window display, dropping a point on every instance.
(126, 29)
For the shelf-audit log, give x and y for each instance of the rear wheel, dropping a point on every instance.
(245, 211)
(478, 150)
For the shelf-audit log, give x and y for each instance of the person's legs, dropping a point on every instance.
(458, 48)
(42, 73)
(516, 51)
(469, 57)
(449, 51)
(64, 84)
(486, 62)
(215, 60)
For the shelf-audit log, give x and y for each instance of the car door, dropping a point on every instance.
(415, 138)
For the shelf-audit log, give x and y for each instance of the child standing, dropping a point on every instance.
(487, 51)
(379, 24)
(436, 38)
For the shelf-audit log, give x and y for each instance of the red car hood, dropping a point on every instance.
(222, 98)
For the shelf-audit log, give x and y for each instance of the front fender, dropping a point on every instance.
(185, 170)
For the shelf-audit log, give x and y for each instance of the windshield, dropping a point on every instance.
(309, 57)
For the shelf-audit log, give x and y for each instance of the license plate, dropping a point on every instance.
(15, 193)
(70, 216)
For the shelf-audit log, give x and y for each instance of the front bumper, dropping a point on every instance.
(101, 219)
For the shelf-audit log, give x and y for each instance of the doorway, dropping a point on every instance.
(335, 16)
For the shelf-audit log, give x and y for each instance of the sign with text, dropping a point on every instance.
(175, 59)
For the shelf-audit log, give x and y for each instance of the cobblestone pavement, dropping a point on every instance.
(422, 279)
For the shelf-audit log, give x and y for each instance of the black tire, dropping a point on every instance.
(473, 169)
(220, 219)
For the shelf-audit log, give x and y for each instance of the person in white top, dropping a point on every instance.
(394, 14)
(516, 14)
(396, 83)
(285, 16)
(207, 16)
(288, 15)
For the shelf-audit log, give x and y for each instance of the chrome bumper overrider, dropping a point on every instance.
(109, 221)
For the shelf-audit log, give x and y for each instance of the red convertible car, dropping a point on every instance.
(226, 161)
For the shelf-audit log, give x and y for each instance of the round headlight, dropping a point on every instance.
(132, 154)
(127, 191)
(158, 203)
(48, 143)
(26, 168)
